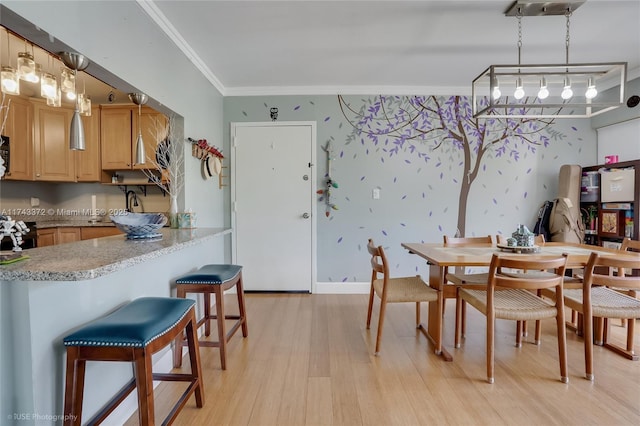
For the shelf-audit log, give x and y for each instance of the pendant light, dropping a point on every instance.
(139, 99)
(84, 101)
(76, 62)
(9, 80)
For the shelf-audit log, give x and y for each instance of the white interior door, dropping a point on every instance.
(273, 201)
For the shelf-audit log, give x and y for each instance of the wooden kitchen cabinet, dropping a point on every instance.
(119, 132)
(53, 160)
(88, 232)
(68, 235)
(87, 162)
(19, 129)
(47, 237)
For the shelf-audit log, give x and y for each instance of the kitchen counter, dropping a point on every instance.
(62, 287)
(84, 260)
(71, 223)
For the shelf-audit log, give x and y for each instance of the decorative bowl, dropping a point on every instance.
(139, 224)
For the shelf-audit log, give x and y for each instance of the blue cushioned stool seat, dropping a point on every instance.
(135, 324)
(133, 333)
(211, 274)
(214, 279)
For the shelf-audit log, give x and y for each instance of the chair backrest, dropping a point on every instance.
(630, 245)
(467, 241)
(537, 240)
(554, 266)
(596, 271)
(379, 263)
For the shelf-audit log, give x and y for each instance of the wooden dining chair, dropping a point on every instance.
(460, 278)
(396, 290)
(600, 297)
(511, 296)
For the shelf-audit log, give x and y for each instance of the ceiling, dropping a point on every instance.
(400, 47)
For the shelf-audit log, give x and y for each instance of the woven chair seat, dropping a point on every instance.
(605, 303)
(512, 304)
(407, 289)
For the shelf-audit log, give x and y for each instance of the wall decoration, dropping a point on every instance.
(273, 113)
(330, 184)
(428, 124)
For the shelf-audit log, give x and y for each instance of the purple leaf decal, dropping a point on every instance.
(339, 240)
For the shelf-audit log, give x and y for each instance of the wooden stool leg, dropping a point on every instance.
(194, 359)
(241, 308)
(518, 334)
(178, 342)
(631, 323)
(144, 384)
(74, 387)
(207, 314)
(222, 334)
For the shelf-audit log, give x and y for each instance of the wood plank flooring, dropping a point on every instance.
(309, 360)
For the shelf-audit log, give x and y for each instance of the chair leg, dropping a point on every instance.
(241, 307)
(525, 332)
(490, 346)
(463, 321)
(144, 384)
(222, 334)
(178, 342)
(74, 388)
(631, 324)
(383, 305)
(562, 345)
(588, 345)
(458, 332)
(370, 307)
(417, 314)
(538, 332)
(519, 334)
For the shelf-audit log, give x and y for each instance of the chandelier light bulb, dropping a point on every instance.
(591, 92)
(543, 93)
(71, 95)
(519, 92)
(495, 94)
(567, 93)
(48, 86)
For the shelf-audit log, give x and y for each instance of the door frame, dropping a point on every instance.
(312, 173)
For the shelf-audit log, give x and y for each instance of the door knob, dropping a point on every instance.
(305, 177)
(305, 216)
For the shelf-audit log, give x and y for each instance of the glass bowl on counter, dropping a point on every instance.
(139, 225)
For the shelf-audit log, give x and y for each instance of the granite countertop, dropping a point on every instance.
(88, 259)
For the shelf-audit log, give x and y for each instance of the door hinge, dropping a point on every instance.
(234, 141)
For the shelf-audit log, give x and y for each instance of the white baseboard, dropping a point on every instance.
(342, 288)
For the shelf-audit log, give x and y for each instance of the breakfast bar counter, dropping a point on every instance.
(60, 288)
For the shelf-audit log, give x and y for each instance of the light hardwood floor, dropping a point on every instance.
(309, 360)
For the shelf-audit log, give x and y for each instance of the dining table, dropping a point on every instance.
(440, 257)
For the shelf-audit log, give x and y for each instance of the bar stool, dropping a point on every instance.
(214, 279)
(133, 333)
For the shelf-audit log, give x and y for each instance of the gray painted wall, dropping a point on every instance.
(419, 199)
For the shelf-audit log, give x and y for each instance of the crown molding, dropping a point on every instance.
(150, 8)
(346, 90)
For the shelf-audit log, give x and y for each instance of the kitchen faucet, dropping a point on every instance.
(130, 194)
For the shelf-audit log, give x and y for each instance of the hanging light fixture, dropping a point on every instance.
(139, 99)
(84, 101)
(76, 62)
(27, 67)
(563, 90)
(9, 80)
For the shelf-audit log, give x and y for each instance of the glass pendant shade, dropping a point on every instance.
(48, 86)
(26, 67)
(35, 76)
(84, 103)
(67, 80)
(56, 101)
(10, 81)
(71, 95)
(76, 138)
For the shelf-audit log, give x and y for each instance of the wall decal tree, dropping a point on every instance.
(422, 125)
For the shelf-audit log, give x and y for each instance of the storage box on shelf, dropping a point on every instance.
(610, 203)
